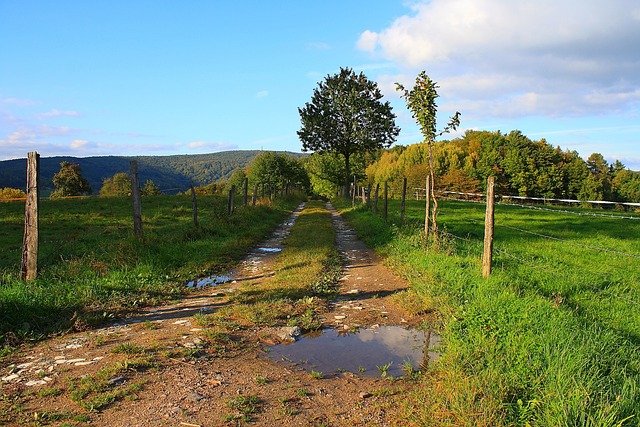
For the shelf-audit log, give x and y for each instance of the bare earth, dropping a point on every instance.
(198, 392)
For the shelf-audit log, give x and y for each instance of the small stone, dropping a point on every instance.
(339, 317)
(194, 397)
(59, 357)
(35, 382)
(72, 346)
(180, 322)
(11, 377)
(376, 326)
(113, 381)
(364, 394)
(83, 363)
(71, 361)
(24, 365)
(354, 291)
(197, 341)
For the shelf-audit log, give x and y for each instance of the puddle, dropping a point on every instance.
(270, 249)
(208, 281)
(330, 351)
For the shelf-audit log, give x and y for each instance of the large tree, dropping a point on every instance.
(346, 116)
(70, 182)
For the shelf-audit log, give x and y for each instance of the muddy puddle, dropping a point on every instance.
(258, 259)
(383, 351)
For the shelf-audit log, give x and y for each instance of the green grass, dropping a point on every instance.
(91, 267)
(551, 338)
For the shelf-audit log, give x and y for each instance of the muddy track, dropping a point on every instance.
(208, 391)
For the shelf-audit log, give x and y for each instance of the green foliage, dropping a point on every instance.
(119, 185)
(11, 193)
(346, 116)
(274, 169)
(521, 167)
(150, 189)
(70, 182)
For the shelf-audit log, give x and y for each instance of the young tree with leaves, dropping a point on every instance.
(346, 116)
(70, 182)
(421, 101)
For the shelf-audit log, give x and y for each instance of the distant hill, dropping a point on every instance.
(170, 173)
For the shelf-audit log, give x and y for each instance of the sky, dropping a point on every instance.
(162, 77)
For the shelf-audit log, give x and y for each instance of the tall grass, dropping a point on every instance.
(552, 338)
(91, 266)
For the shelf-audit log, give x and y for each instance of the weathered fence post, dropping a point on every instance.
(427, 197)
(353, 192)
(262, 191)
(255, 195)
(488, 229)
(245, 195)
(29, 263)
(232, 195)
(375, 199)
(404, 198)
(194, 203)
(135, 197)
(386, 199)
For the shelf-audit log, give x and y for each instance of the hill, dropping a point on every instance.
(170, 173)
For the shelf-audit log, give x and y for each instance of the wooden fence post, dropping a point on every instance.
(353, 192)
(135, 197)
(375, 199)
(29, 263)
(194, 203)
(386, 200)
(262, 191)
(255, 195)
(404, 198)
(232, 195)
(488, 229)
(427, 205)
(245, 199)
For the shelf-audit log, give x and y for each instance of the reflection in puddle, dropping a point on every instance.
(208, 281)
(330, 351)
(270, 249)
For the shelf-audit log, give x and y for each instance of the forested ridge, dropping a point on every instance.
(172, 173)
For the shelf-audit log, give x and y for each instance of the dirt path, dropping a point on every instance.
(165, 387)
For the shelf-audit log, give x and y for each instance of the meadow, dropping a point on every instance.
(552, 337)
(92, 268)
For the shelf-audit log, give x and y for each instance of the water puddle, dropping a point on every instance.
(209, 281)
(270, 249)
(258, 259)
(389, 349)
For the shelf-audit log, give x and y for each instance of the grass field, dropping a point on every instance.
(552, 338)
(91, 267)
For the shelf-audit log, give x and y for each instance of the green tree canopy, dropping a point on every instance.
(346, 116)
(70, 182)
(274, 170)
(150, 189)
(11, 193)
(119, 185)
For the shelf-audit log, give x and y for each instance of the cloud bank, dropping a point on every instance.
(516, 58)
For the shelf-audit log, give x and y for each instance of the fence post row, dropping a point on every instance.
(375, 199)
(488, 229)
(232, 194)
(29, 262)
(194, 202)
(135, 197)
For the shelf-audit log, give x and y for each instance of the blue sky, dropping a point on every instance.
(162, 77)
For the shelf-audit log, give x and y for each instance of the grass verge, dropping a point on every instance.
(550, 339)
(91, 267)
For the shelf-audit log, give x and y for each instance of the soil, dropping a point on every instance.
(201, 391)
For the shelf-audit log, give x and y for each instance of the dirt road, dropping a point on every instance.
(155, 368)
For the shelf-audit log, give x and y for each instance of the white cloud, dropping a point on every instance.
(210, 146)
(518, 57)
(367, 41)
(57, 113)
(19, 102)
(318, 46)
(262, 94)
(77, 144)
